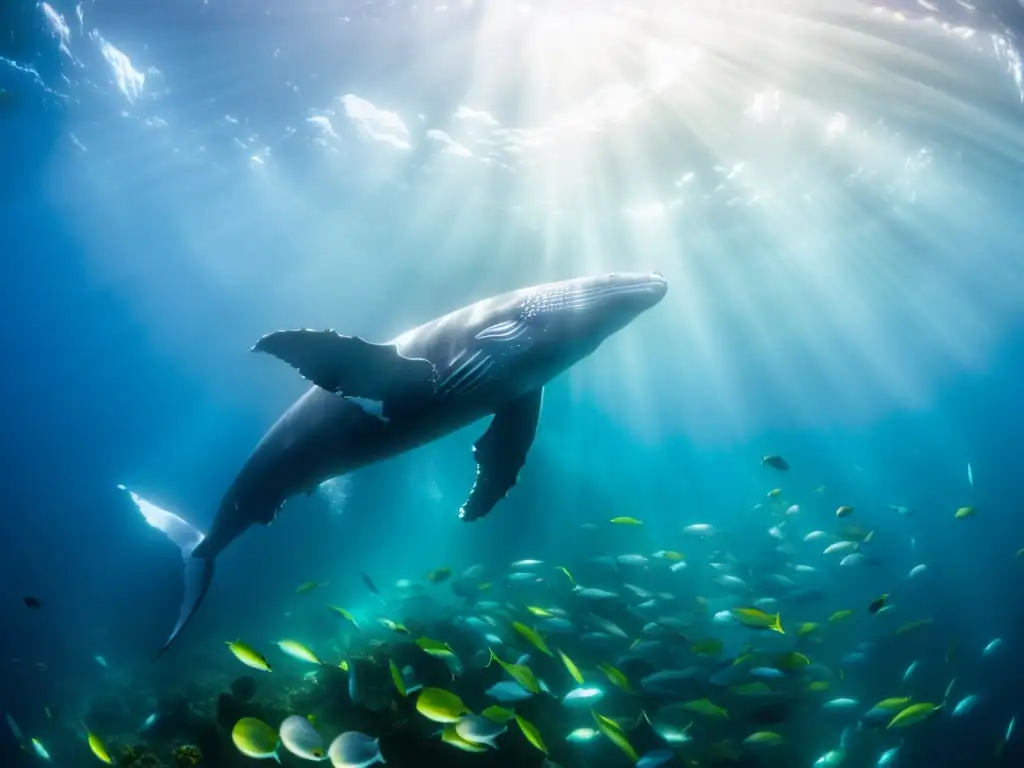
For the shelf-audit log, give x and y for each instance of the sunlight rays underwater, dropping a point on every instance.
(790, 168)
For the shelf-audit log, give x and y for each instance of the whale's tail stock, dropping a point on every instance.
(198, 570)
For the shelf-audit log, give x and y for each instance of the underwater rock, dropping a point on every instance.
(244, 687)
(230, 710)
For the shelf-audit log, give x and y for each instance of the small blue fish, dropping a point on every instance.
(355, 680)
(40, 750)
(582, 735)
(508, 691)
(583, 697)
(966, 705)
(656, 758)
(149, 722)
(910, 671)
(556, 625)
(21, 737)
(830, 759)
(841, 704)
(101, 661)
(848, 737)
(887, 758)
(767, 672)
(992, 647)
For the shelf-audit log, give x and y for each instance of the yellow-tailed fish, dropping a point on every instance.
(711, 646)
(396, 677)
(521, 673)
(913, 714)
(764, 738)
(498, 714)
(435, 648)
(963, 512)
(451, 737)
(394, 626)
(532, 637)
(818, 685)
(568, 575)
(625, 521)
(755, 618)
(343, 665)
(910, 626)
(298, 650)
(255, 739)
(806, 628)
(840, 615)
(248, 655)
(440, 575)
(308, 586)
(531, 733)
(344, 614)
(896, 703)
(96, 746)
(791, 660)
(614, 733)
(752, 689)
(573, 669)
(440, 705)
(878, 603)
(543, 613)
(673, 555)
(614, 675)
(706, 707)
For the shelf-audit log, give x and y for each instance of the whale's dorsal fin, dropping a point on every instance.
(350, 366)
(501, 452)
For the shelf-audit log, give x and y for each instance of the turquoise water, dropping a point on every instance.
(831, 197)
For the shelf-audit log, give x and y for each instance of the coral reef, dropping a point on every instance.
(187, 756)
(138, 756)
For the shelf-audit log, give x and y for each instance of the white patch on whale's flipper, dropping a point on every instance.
(350, 366)
(198, 570)
(501, 452)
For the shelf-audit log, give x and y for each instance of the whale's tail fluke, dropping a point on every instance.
(198, 570)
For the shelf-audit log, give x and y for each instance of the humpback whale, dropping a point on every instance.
(491, 358)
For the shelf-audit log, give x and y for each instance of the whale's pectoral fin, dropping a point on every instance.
(501, 452)
(348, 365)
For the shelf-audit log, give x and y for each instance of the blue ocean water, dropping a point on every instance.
(830, 193)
